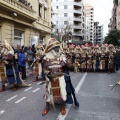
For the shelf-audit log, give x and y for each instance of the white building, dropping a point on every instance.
(98, 33)
(70, 12)
(90, 22)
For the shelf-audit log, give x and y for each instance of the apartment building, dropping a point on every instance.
(70, 12)
(23, 20)
(98, 33)
(115, 16)
(90, 21)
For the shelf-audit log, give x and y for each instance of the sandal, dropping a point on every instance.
(63, 111)
(44, 112)
(14, 89)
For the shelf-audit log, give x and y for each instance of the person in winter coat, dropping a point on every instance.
(22, 64)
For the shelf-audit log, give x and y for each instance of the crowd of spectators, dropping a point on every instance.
(25, 2)
(23, 55)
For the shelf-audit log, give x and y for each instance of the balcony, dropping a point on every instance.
(77, 12)
(115, 2)
(77, 34)
(12, 6)
(77, 19)
(43, 22)
(77, 26)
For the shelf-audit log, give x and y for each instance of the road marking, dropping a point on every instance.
(36, 90)
(20, 100)
(68, 106)
(39, 83)
(1, 112)
(11, 98)
(28, 89)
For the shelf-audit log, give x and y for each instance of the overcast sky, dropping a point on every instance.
(102, 11)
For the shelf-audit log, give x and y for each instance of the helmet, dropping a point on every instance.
(52, 43)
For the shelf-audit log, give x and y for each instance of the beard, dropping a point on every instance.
(56, 54)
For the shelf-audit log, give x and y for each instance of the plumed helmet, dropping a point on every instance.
(65, 47)
(96, 47)
(52, 43)
(110, 46)
(71, 46)
(39, 46)
(78, 48)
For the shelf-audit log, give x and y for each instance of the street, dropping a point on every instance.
(93, 90)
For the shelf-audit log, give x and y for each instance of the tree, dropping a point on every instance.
(112, 37)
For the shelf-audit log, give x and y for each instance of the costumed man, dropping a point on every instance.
(38, 66)
(2, 74)
(96, 58)
(103, 59)
(77, 59)
(11, 69)
(84, 59)
(90, 60)
(112, 58)
(59, 88)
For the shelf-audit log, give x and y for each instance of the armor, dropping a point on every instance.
(39, 53)
(90, 59)
(103, 59)
(57, 77)
(96, 58)
(111, 60)
(84, 58)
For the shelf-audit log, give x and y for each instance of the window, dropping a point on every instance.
(57, 7)
(65, 6)
(65, 22)
(41, 40)
(18, 37)
(40, 10)
(45, 12)
(65, 14)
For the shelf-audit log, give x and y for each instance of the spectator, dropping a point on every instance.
(22, 64)
(30, 58)
(33, 50)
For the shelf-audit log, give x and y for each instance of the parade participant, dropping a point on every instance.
(38, 66)
(89, 59)
(30, 59)
(65, 49)
(2, 74)
(77, 58)
(11, 68)
(76, 66)
(96, 58)
(71, 56)
(103, 59)
(11, 71)
(84, 59)
(111, 59)
(59, 88)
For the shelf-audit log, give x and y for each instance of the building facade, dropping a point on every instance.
(115, 16)
(98, 33)
(20, 20)
(70, 12)
(90, 22)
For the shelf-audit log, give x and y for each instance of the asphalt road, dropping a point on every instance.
(93, 90)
